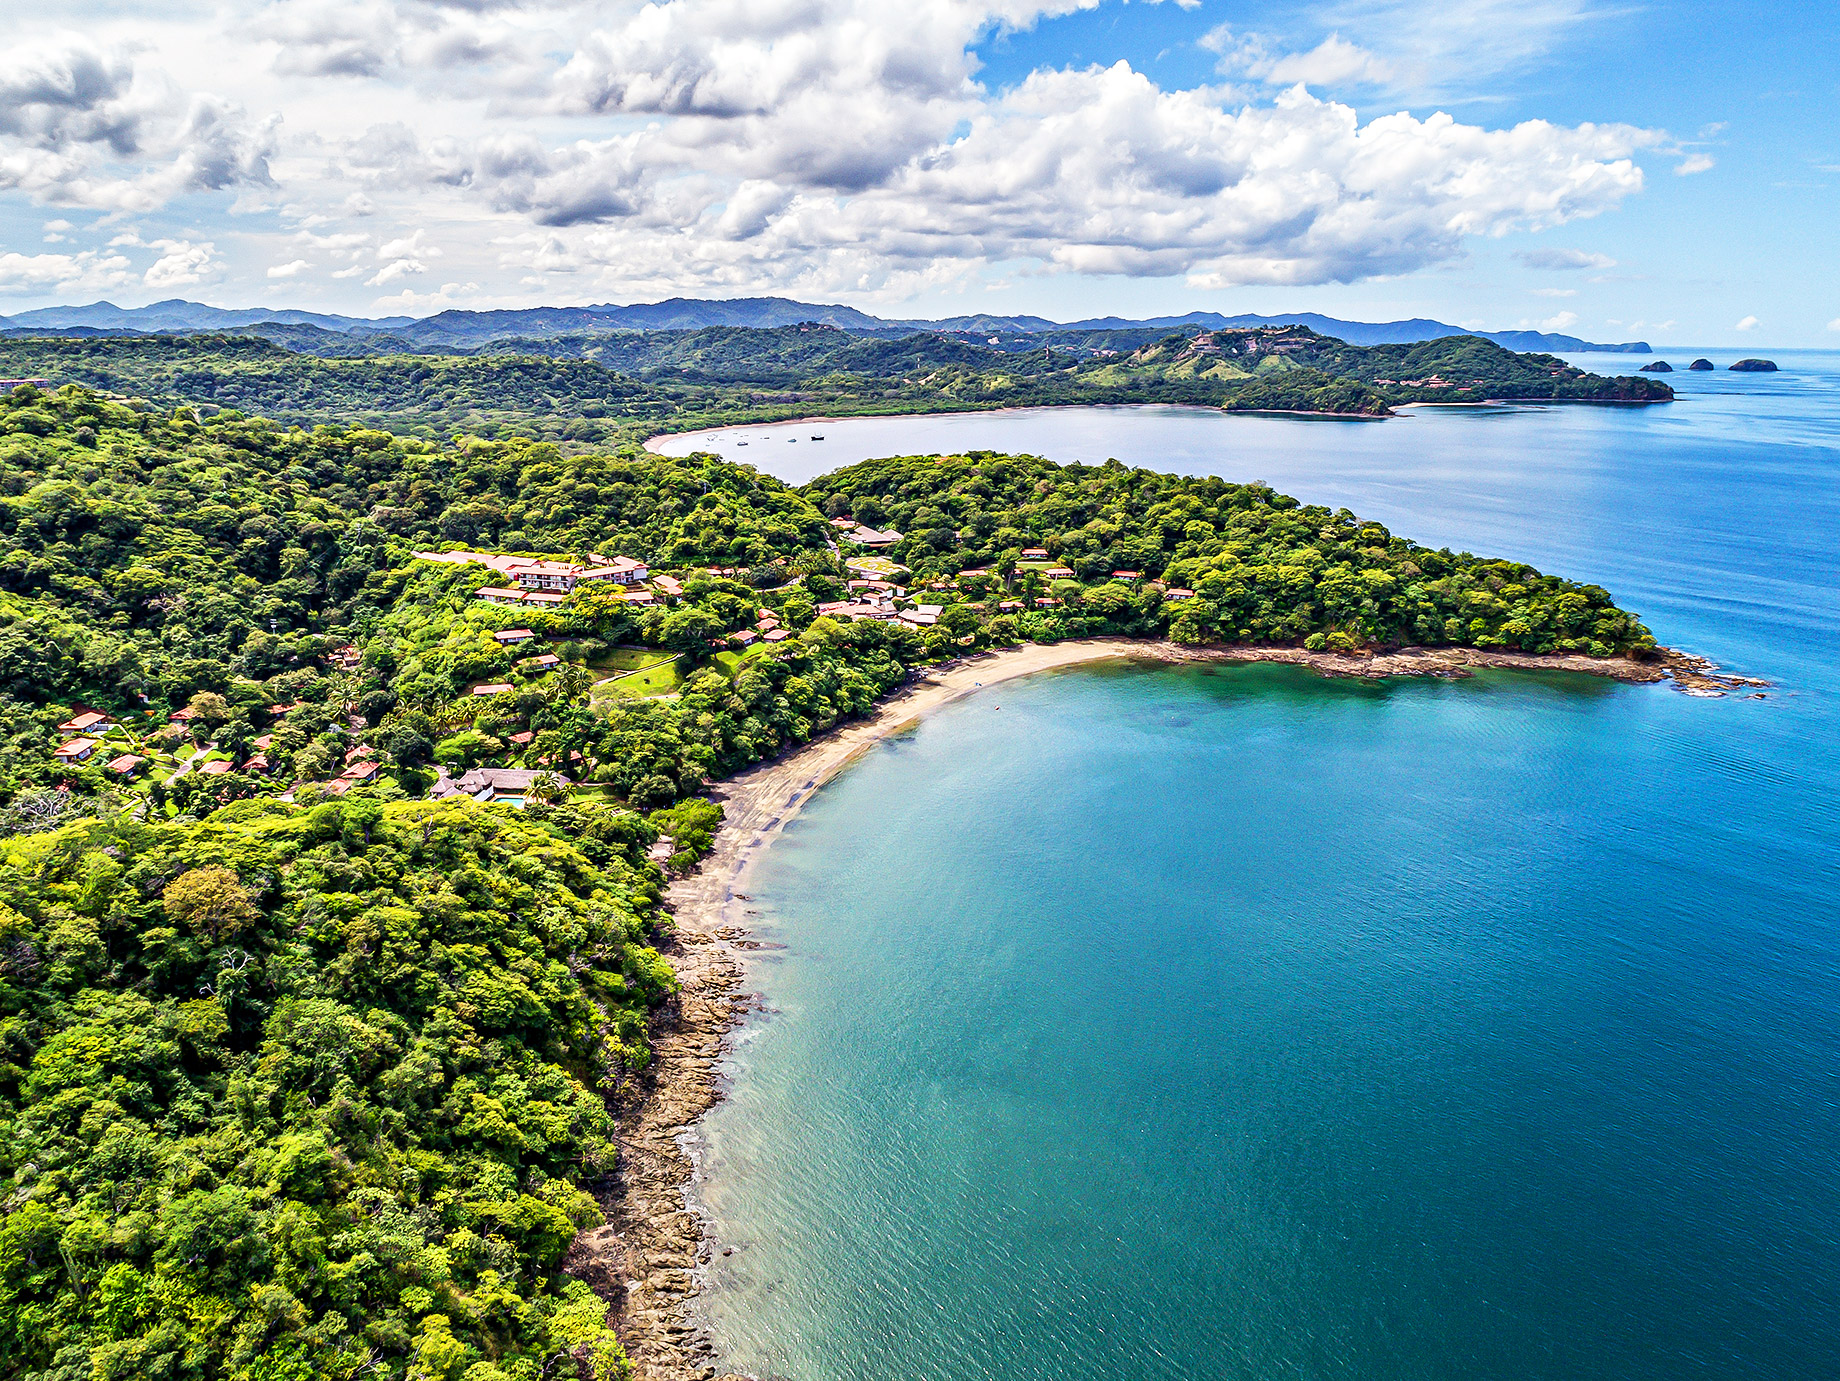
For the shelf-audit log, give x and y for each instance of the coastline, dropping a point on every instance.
(901, 414)
(1394, 411)
(647, 1260)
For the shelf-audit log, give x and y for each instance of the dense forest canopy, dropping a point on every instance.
(299, 1094)
(1263, 567)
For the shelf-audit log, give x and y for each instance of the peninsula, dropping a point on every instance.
(350, 784)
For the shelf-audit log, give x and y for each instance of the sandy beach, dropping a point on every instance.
(647, 1258)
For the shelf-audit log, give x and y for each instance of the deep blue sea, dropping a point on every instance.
(1234, 1023)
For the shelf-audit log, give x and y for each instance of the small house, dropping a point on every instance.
(524, 737)
(509, 637)
(668, 585)
(496, 594)
(640, 597)
(127, 765)
(216, 767)
(507, 784)
(1177, 593)
(742, 639)
(542, 664)
(89, 722)
(1059, 573)
(545, 599)
(777, 635)
(362, 771)
(258, 766)
(1126, 575)
(1035, 554)
(492, 688)
(77, 750)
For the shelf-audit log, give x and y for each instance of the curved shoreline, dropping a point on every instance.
(1394, 412)
(647, 1260)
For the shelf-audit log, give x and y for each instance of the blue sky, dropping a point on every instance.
(1615, 171)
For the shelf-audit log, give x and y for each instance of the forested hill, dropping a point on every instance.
(591, 389)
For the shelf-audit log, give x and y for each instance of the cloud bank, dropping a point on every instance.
(843, 146)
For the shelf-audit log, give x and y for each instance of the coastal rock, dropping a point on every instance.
(1755, 367)
(1702, 363)
(1658, 367)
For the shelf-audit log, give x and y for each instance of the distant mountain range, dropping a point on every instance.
(461, 329)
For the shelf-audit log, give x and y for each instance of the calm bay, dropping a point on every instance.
(1233, 1022)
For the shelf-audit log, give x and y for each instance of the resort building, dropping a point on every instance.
(495, 594)
(89, 722)
(510, 637)
(622, 570)
(869, 537)
(127, 765)
(540, 573)
(1034, 553)
(492, 688)
(77, 750)
(543, 662)
(1178, 593)
(216, 768)
(668, 585)
(508, 785)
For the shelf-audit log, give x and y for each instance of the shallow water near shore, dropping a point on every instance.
(1225, 1021)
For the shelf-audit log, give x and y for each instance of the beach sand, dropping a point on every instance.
(647, 1259)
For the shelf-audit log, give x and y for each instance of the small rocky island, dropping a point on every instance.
(1755, 367)
(1702, 363)
(1658, 367)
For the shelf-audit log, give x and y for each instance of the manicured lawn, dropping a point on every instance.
(618, 659)
(730, 661)
(661, 678)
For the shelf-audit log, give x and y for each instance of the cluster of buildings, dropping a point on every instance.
(535, 583)
(875, 599)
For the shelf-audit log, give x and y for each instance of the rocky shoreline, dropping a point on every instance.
(647, 1260)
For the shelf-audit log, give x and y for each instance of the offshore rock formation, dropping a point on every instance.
(1658, 367)
(1755, 367)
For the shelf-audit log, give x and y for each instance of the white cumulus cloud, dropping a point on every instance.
(1749, 323)
(836, 146)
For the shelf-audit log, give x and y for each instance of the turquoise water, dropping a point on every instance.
(1187, 1022)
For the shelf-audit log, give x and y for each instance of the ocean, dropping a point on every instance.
(1150, 1021)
